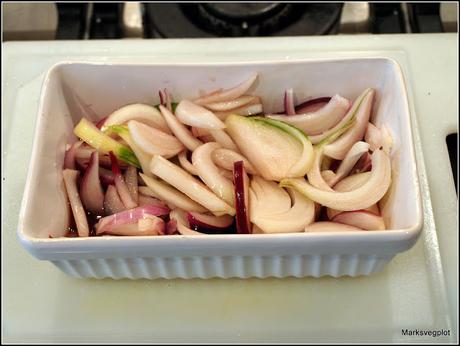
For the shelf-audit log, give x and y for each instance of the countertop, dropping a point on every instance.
(418, 289)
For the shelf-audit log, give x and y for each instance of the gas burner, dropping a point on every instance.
(241, 19)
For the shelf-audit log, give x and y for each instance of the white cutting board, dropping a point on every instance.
(417, 290)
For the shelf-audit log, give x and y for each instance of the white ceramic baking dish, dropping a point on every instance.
(73, 90)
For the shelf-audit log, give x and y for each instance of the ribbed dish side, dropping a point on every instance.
(224, 267)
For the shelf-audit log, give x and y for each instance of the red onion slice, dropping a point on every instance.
(112, 201)
(148, 225)
(210, 224)
(182, 224)
(70, 154)
(228, 94)
(312, 105)
(91, 193)
(129, 216)
(101, 122)
(241, 183)
(323, 119)
(362, 219)
(147, 200)
(171, 227)
(364, 164)
(339, 148)
(107, 177)
(120, 184)
(327, 226)
(289, 108)
(79, 214)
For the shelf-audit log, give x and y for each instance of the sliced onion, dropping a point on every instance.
(364, 164)
(200, 132)
(209, 173)
(353, 155)
(387, 139)
(147, 200)
(328, 176)
(91, 192)
(228, 94)
(190, 186)
(147, 225)
(69, 158)
(179, 130)
(314, 174)
(301, 214)
(232, 104)
(185, 163)
(101, 123)
(339, 148)
(241, 184)
(266, 198)
(347, 121)
(373, 136)
(225, 158)
(120, 184)
(351, 183)
(168, 194)
(221, 137)
(171, 227)
(107, 177)
(129, 216)
(192, 114)
(112, 201)
(312, 105)
(362, 219)
(226, 174)
(363, 197)
(289, 108)
(210, 224)
(153, 141)
(79, 214)
(321, 120)
(249, 109)
(143, 113)
(181, 223)
(131, 182)
(327, 226)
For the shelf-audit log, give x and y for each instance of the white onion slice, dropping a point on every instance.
(232, 104)
(266, 198)
(225, 158)
(131, 182)
(249, 109)
(228, 94)
(179, 130)
(327, 226)
(209, 173)
(314, 174)
(168, 194)
(339, 148)
(70, 181)
(323, 119)
(221, 137)
(373, 136)
(153, 141)
(363, 197)
(328, 176)
(353, 155)
(141, 112)
(186, 164)
(192, 114)
(120, 184)
(362, 219)
(190, 186)
(199, 131)
(301, 214)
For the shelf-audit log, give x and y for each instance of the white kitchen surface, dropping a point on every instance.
(417, 290)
